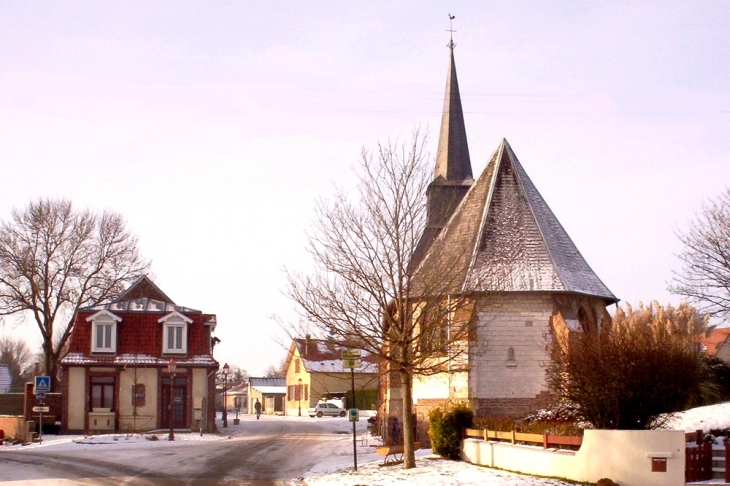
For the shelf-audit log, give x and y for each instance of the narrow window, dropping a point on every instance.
(102, 392)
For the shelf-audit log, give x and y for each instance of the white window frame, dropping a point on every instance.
(171, 323)
(104, 320)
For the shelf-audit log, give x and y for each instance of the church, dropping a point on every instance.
(515, 260)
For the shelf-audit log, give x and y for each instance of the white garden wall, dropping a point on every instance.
(625, 456)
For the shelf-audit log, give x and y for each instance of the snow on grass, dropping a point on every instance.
(430, 470)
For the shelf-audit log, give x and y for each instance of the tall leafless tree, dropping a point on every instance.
(16, 355)
(55, 260)
(705, 275)
(365, 293)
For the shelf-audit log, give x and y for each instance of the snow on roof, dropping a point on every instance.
(326, 357)
(136, 359)
(271, 390)
(504, 237)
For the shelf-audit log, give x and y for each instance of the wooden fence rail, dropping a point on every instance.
(546, 440)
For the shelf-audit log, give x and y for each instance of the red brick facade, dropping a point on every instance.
(127, 387)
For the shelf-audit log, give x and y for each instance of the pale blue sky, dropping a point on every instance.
(213, 126)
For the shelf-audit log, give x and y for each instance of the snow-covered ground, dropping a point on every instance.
(338, 469)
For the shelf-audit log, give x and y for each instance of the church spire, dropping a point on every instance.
(453, 176)
(452, 158)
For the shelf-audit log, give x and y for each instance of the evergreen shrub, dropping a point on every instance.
(447, 426)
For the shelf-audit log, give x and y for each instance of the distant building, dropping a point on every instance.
(6, 381)
(116, 376)
(717, 343)
(271, 392)
(315, 371)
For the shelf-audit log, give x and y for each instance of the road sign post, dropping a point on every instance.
(351, 360)
(42, 385)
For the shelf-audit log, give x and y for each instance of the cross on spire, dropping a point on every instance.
(451, 31)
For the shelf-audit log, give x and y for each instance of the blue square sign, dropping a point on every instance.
(42, 384)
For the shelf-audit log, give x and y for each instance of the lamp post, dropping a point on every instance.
(225, 395)
(300, 397)
(171, 366)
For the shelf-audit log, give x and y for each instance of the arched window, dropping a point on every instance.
(511, 361)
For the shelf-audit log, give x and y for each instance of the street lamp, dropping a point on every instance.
(225, 395)
(171, 366)
(300, 397)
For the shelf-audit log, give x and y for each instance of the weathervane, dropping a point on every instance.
(451, 30)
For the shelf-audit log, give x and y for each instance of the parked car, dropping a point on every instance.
(327, 408)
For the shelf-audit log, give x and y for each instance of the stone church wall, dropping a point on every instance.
(507, 374)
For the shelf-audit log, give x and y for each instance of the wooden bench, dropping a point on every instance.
(393, 453)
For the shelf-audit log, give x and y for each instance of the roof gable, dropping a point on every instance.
(504, 237)
(320, 356)
(144, 287)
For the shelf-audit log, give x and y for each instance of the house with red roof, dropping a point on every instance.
(315, 371)
(139, 363)
(717, 343)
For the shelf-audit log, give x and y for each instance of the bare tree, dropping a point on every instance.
(635, 372)
(274, 371)
(54, 260)
(705, 275)
(364, 292)
(17, 356)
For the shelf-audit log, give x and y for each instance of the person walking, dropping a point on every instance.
(257, 407)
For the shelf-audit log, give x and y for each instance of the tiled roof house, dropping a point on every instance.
(116, 374)
(315, 371)
(499, 242)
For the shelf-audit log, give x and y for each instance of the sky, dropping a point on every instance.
(213, 127)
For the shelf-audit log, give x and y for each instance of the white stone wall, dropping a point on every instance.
(77, 404)
(520, 322)
(624, 456)
(146, 416)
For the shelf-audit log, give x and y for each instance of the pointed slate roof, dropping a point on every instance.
(453, 174)
(504, 237)
(452, 158)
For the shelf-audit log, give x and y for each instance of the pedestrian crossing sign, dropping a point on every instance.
(42, 384)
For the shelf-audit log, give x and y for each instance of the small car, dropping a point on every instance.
(326, 408)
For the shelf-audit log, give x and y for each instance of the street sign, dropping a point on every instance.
(354, 415)
(351, 358)
(42, 384)
(40, 396)
(41, 409)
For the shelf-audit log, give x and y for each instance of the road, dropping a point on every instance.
(272, 451)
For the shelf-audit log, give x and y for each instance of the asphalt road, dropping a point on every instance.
(271, 451)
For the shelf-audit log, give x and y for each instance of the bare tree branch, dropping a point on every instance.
(705, 275)
(54, 260)
(363, 292)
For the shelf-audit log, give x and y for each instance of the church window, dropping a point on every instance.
(511, 361)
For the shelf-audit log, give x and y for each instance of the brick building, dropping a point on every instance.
(115, 376)
(501, 245)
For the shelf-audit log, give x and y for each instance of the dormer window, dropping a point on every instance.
(175, 333)
(104, 332)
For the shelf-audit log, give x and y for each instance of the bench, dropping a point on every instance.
(393, 453)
